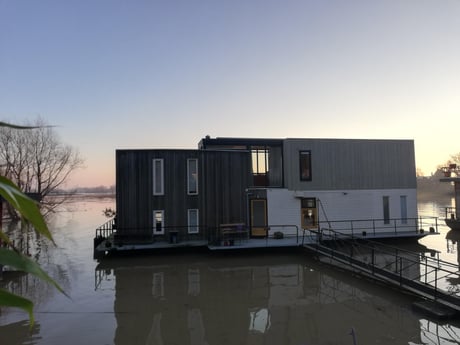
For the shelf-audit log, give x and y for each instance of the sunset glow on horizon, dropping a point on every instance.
(164, 74)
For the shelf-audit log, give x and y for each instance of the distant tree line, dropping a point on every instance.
(90, 190)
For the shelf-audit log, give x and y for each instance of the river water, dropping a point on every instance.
(285, 297)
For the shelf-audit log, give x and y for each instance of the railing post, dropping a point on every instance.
(426, 270)
(400, 271)
(436, 284)
(373, 226)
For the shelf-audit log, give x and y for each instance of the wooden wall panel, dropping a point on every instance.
(223, 179)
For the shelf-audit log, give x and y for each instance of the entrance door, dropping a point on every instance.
(259, 217)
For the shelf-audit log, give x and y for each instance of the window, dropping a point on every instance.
(386, 210)
(403, 200)
(259, 157)
(193, 223)
(158, 177)
(192, 176)
(260, 165)
(158, 222)
(305, 165)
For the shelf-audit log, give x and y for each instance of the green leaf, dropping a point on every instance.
(5, 124)
(9, 299)
(25, 205)
(25, 264)
(4, 238)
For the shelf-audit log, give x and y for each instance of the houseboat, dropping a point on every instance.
(452, 175)
(255, 192)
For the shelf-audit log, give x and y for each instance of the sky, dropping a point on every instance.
(113, 74)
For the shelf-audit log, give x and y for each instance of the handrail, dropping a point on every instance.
(282, 227)
(395, 267)
(106, 229)
(376, 226)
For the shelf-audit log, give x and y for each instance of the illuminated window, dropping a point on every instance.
(305, 165)
(158, 222)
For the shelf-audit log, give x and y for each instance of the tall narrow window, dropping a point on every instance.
(260, 165)
(192, 176)
(158, 222)
(403, 200)
(193, 221)
(158, 177)
(386, 210)
(305, 165)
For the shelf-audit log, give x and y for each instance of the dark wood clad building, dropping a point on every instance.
(179, 192)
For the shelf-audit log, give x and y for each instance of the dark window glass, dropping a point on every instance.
(305, 165)
(386, 210)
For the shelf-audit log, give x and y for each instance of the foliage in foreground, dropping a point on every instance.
(9, 255)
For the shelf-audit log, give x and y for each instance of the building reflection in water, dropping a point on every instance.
(252, 299)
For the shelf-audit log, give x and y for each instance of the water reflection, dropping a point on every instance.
(270, 298)
(283, 299)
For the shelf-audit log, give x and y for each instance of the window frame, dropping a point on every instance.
(403, 206)
(193, 229)
(308, 176)
(161, 190)
(386, 209)
(190, 176)
(154, 227)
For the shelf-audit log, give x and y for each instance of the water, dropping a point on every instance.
(203, 298)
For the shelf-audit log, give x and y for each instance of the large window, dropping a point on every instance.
(158, 222)
(260, 165)
(193, 221)
(305, 165)
(158, 177)
(192, 176)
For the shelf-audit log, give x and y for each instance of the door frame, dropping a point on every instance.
(258, 230)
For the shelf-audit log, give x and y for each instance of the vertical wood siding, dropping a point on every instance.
(351, 164)
(223, 179)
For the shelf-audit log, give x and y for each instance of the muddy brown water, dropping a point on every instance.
(262, 297)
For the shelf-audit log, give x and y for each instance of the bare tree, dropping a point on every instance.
(36, 160)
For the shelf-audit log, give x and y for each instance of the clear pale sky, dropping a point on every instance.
(164, 73)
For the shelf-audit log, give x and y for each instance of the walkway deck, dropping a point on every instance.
(413, 272)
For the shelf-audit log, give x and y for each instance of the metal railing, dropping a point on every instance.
(416, 272)
(107, 229)
(287, 230)
(375, 227)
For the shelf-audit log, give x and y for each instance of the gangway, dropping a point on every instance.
(424, 275)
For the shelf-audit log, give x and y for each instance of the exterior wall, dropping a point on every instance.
(223, 177)
(338, 164)
(341, 205)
